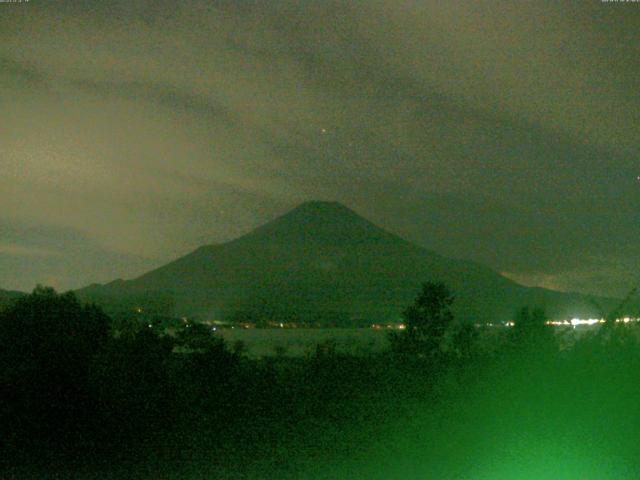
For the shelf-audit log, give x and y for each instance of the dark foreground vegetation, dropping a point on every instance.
(83, 396)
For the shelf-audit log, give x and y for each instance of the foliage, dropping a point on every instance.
(47, 344)
(71, 391)
(198, 337)
(531, 331)
(426, 320)
(464, 337)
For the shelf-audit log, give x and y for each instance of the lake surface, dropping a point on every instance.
(261, 342)
(295, 342)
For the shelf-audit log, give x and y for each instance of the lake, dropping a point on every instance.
(261, 342)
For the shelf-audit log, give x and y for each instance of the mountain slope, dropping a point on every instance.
(322, 261)
(8, 296)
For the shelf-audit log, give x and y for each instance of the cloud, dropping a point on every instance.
(25, 251)
(501, 133)
(598, 276)
(61, 257)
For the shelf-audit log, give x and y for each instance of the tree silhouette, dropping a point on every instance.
(531, 331)
(427, 319)
(47, 344)
(463, 340)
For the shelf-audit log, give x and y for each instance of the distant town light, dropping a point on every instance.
(574, 322)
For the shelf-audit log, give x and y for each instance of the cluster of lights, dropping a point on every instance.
(574, 322)
(398, 326)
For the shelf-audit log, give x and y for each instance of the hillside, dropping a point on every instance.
(322, 261)
(7, 296)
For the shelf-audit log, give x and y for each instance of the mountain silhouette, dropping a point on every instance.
(8, 296)
(323, 262)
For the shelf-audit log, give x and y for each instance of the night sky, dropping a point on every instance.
(132, 132)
